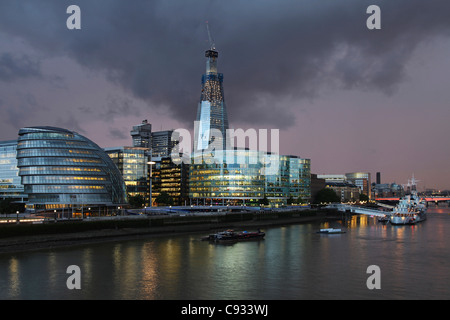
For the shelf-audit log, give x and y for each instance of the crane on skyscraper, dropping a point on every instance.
(211, 41)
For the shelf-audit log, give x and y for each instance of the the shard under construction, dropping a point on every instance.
(212, 119)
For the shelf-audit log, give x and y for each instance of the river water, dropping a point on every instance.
(292, 262)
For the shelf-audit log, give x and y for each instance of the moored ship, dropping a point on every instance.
(410, 209)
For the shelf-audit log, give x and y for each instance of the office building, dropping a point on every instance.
(243, 180)
(62, 169)
(346, 191)
(220, 174)
(162, 143)
(232, 182)
(361, 180)
(141, 135)
(292, 183)
(212, 115)
(317, 184)
(174, 179)
(332, 177)
(10, 182)
(347, 181)
(132, 163)
(387, 190)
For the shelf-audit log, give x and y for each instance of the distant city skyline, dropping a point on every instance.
(348, 98)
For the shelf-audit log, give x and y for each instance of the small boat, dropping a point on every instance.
(234, 236)
(384, 219)
(330, 231)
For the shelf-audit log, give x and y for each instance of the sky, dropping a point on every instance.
(348, 98)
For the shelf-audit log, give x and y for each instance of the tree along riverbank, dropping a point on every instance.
(24, 237)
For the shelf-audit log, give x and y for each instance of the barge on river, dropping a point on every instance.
(234, 236)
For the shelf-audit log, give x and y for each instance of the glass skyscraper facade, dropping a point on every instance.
(293, 181)
(162, 143)
(238, 180)
(132, 163)
(212, 115)
(220, 173)
(10, 184)
(242, 177)
(60, 168)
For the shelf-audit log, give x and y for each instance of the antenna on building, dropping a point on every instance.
(211, 41)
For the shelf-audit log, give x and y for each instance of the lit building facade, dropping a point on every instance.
(61, 169)
(332, 177)
(163, 143)
(246, 179)
(346, 191)
(292, 183)
(132, 163)
(387, 190)
(226, 182)
(10, 182)
(211, 113)
(224, 175)
(174, 179)
(142, 135)
(160, 143)
(361, 180)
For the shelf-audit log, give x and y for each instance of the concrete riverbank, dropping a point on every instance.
(19, 238)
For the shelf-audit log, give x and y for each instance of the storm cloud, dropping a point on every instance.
(13, 67)
(271, 49)
(281, 60)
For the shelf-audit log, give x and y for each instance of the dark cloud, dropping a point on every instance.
(116, 133)
(69, 121)
(14, 67)
(24, 109)
(269, 50)
(117, 106)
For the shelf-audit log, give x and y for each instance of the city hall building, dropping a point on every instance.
(62, 169)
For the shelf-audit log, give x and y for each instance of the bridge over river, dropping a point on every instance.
(427, 199)
(359, 210)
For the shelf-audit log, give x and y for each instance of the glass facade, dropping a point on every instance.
(238, 180)
(174, 179)
(243, 179)
(361, 180)
(142, 134)
(162, 143)
(211, 112)
(292, 183)
(60, 168)
(10, 182)
(132, 162)
(235, 175)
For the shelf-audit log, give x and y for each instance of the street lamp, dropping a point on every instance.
(150, 164)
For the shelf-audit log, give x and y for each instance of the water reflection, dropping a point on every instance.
(293, 262)
(13, 277)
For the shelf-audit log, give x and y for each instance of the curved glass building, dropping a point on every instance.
(61, 169)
